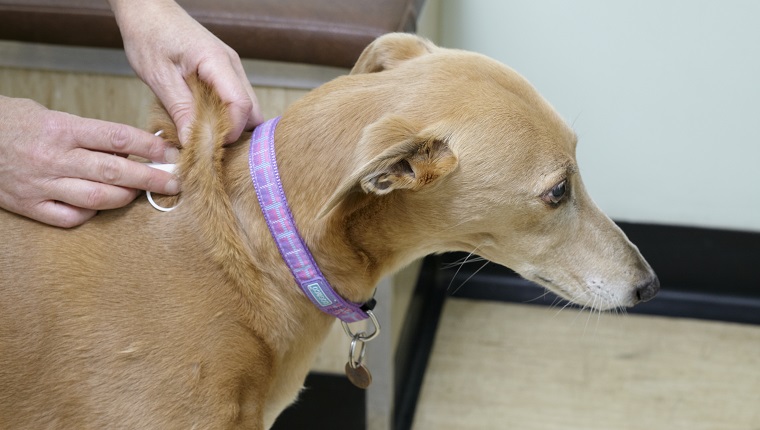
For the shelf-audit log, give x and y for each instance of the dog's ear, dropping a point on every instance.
(387, 51)
(411, 160)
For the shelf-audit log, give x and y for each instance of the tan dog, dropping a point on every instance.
(190, 319)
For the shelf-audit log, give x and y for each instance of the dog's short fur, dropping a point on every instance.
(190, 319)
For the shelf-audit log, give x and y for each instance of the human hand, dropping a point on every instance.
(60, 169)
(165, 45)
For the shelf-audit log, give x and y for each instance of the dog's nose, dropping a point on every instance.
(647, 290)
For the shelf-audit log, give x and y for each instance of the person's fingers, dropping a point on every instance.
(69, 201)
(234, 92)
(114, 170)
(227, 85)
(60, 169)
(256, 117)
(121, 139)
(90, 195)
(59, 214)
(176, 97)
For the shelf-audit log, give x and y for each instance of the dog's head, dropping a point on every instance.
(486, 165)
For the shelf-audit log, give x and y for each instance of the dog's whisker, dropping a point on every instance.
(461, 262)
(456, 225)
(578, 313)
(615, 310)
(563, 307)
(546, 293)
(557, 301)
(621, 310)
(595, 310)
(460, 268)
(590, 313)
(585, 306)
(599, 319)
(470, 277)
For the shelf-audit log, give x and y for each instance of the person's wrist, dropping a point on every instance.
(127, 11)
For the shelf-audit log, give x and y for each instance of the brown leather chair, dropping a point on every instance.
(323, 32)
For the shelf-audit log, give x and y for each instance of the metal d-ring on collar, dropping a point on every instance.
(362, 335)
(360, 339)
(273, 202)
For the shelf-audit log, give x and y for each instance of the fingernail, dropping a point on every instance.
(171, 154)
(172, 187)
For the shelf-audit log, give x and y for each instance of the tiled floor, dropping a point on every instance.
(523, 367)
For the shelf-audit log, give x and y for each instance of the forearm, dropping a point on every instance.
(119, 7)
(132, 12)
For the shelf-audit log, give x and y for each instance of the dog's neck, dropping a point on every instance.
(341, 245)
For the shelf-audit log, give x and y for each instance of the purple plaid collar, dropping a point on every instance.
(274, 205)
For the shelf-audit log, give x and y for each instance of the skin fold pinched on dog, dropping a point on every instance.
(190, 319)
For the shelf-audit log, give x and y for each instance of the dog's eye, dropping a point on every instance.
(556, 194)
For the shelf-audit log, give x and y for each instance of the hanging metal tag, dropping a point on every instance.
(356, 371)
